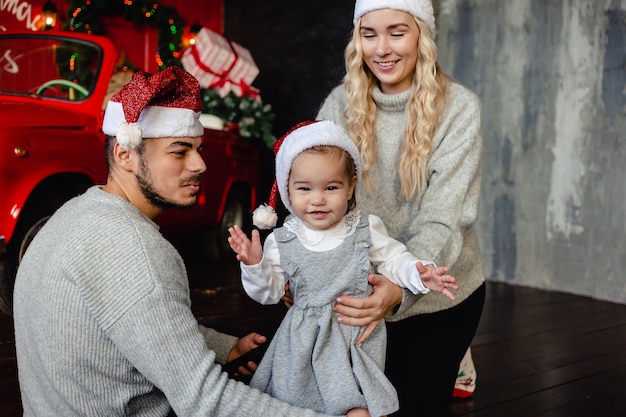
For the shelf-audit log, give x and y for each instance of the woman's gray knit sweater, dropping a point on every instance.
(439, 226)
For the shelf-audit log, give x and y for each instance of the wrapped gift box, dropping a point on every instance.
(220, 64)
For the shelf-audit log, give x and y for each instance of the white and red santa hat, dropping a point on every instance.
(303, 136)
(166, 104)
(422, 9)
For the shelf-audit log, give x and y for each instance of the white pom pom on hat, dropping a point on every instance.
(303, 136)
(422, 9)
(129, 135)
(161, 105)
(265, 216)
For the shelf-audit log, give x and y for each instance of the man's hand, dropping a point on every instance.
(250, 252)
(244, 345)
(369, 311)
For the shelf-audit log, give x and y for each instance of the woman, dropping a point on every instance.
(420, 137)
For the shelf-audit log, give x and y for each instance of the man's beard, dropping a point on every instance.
(144, 180)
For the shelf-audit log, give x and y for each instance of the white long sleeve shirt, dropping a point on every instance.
(265, 281)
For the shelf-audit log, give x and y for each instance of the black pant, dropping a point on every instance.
(424, 353)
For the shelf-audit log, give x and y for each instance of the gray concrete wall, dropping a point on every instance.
(551, 75)
(552, 78)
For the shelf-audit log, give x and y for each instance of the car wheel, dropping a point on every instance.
(216, 245)
(5, 289)
(15, 252)
(29, 236)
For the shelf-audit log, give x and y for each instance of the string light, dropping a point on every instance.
(158, 60)
(253, 118)
(85, 14)
(73, 61)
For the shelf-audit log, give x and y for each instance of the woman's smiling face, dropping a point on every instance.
(389, 41)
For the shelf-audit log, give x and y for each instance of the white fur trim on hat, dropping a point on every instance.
(324, 132)
(422, 9)
(154, 122)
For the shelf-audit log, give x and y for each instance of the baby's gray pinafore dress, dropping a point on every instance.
(313, 361)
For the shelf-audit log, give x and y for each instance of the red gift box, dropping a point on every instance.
(220, 64)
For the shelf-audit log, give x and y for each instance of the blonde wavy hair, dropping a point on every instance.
(423, 111)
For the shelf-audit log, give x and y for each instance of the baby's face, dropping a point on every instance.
(319, 189)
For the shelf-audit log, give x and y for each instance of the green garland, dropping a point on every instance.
(251, 117)
(83, 17)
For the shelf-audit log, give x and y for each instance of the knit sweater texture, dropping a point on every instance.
(440, 225)
(103, 324)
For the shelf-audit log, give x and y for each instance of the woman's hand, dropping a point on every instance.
(369, 311)
(243, 345)
(358, 412)
(288, 297)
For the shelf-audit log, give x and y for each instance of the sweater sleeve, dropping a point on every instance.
(160, 337)
(220, 343)
(449, 206)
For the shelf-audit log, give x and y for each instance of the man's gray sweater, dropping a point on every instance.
(103, 324)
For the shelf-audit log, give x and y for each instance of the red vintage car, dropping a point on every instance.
(54, 87)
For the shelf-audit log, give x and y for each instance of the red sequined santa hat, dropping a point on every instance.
(303, 136)
(166, 104)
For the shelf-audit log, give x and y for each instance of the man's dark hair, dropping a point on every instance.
(109, 144)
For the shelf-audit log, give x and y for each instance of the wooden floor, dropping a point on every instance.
(537, 353)
(546, 354)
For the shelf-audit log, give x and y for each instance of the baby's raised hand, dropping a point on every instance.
(436, 279)
(250, 252)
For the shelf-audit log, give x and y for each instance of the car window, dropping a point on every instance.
(62, 69)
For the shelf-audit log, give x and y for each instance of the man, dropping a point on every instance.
(103, 324)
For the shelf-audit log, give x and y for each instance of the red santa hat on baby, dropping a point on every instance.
(166, 104)
(422, 9)
(303, 136)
